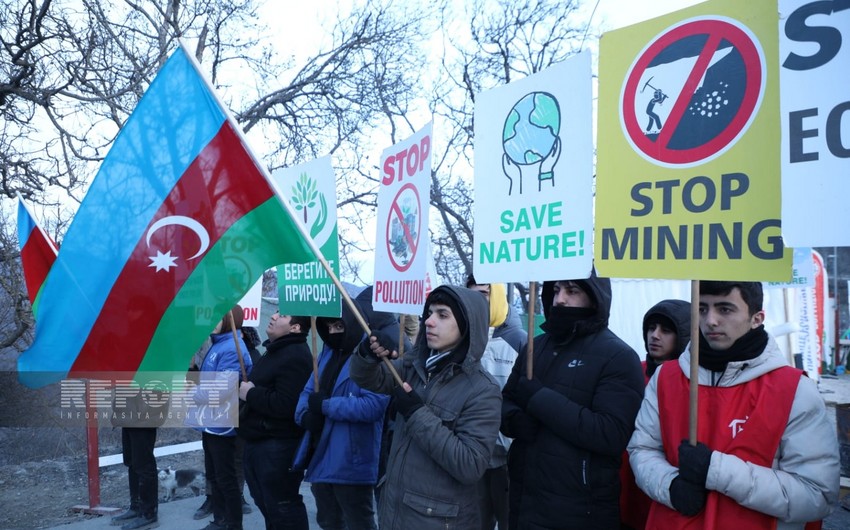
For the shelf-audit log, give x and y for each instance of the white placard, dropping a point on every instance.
(814, 53)
(533, 176)
(401, 243)
(250, 304)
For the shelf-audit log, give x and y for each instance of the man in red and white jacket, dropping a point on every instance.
(767, 456)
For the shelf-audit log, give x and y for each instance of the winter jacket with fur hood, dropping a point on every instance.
(569, 440)
(439, 454)
(803, 482)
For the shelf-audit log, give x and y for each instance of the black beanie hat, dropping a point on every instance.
(445, 298)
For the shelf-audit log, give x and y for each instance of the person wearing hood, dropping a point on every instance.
(448, 414)
(504, 320)
(766, 455)
(572, 419)
(666, 333)
(267, 422)
(345, 422)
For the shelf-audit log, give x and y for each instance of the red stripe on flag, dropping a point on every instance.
(37, 257)
(218, 188)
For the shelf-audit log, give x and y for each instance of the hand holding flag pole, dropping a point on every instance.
(356, 312)
(309, 240)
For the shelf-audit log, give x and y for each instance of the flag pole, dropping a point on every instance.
(694, 382)
(529, 346)
(238, 347)
(265, 172)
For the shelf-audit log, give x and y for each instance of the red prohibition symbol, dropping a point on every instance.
(403, 230)
(706, 77)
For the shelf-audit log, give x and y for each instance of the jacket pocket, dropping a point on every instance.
(448, 417)
(430, 507)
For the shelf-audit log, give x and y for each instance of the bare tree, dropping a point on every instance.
(15, 311)
(504, 41)
(72, 71)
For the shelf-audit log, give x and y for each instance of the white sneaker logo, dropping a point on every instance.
(575, 363)
(737, 426)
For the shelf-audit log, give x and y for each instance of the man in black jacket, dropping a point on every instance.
(572, 420)
(267, 422)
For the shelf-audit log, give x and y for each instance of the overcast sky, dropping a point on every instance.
(619, 13)
(317, 15)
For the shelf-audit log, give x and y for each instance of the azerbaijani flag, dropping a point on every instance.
(177, 225)
(38, 251)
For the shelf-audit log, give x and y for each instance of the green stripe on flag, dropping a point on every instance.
(263, 238)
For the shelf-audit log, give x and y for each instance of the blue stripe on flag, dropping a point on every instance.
(26, 224)
(173, 122)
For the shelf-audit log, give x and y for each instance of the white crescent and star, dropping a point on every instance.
(166, 261)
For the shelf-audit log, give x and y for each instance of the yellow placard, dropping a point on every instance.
(688, 171)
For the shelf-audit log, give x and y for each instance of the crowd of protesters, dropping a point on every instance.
(455, 427)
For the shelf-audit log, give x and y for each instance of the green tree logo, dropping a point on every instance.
(304, 196)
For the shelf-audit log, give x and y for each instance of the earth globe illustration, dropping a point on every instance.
(531, 128)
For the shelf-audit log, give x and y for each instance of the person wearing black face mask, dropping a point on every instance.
(572, 420)
(345, 423)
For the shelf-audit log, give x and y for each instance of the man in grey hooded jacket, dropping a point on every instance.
(448, 414)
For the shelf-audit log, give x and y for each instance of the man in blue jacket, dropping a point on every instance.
(215, 415)
(345, 424)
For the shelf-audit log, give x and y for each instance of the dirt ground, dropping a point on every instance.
(41, 494)
(43, 471)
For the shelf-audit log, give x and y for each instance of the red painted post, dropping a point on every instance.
(92, 461)
(92, 449)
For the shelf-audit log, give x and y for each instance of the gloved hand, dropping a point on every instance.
(686, 497)
(694, 462)
(313, 423)
(406, 402)
(522, 426)
(314, 403)
(525, 389)
(384, 339)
